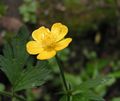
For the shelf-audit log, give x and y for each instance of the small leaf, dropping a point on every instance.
(92, 96)
(93, 83)
(75, 80)
(87, 96)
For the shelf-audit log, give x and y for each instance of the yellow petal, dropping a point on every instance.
(46, 55)
(39, 34)
(59, 31)
(33, 47)
(62, 44)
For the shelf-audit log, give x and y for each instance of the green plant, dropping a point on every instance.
(25, 72)
(22, 71)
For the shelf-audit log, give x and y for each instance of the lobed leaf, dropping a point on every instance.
(22, 71)
(93, 83)
(33, 76)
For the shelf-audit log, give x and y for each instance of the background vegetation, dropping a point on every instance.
(94, 52)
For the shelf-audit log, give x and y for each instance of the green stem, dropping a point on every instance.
(63, 76)
(11, 95)
(13, 98)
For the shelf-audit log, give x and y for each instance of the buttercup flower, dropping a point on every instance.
(46, 43)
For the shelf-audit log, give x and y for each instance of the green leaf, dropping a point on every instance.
(74, 80)
(93, 83)
(33, 76)
(15, 55)
(9, 67)
(92, 96)
(22, 70)
(83, 91)
(95, 66)
(116, 99)
(115, 74)
(78, 98)
(87, 96)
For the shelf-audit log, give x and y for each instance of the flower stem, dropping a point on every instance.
(13, 98)
(11, 95)
(63, 76)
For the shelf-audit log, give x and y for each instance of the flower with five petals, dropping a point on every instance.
(47, 42)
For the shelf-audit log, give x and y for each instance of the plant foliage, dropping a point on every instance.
(22, 71)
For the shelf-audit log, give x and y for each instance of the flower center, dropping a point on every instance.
(48, 42)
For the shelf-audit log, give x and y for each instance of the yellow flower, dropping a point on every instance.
(46, 43)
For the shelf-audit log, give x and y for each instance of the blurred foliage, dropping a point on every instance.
(116, 99)
(83, 91)
(78, 15)
(28, 10)
(3, 9)
(2, 87)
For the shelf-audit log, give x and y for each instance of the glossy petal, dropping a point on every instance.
(46, 55)
(39, 34)
(47, 42)
(62, 44)
(59, 31)
(33, 47)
